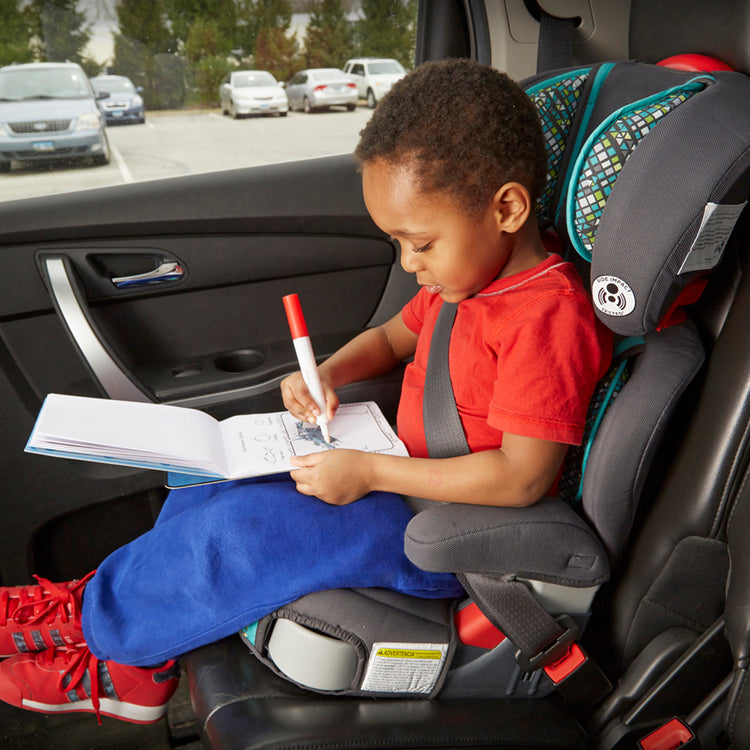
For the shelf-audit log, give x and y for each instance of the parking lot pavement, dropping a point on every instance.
(177, 143)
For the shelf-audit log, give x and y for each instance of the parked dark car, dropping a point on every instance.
(123, 102)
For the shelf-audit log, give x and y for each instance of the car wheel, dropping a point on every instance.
(4, 166)
(102, 159)
(371, 100)
(306, 106)
(351, 107)
(283, 114)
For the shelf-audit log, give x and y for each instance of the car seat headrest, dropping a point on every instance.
(556, 100)
(655, 177)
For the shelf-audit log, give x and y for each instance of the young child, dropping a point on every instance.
(452, 162)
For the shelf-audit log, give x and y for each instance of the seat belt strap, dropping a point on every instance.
(543, 641)
(555, 48)
(443, 430)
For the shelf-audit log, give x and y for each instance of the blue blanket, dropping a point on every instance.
(221, 556)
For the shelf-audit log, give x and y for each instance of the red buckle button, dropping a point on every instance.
(671, 735)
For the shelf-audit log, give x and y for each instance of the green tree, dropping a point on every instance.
(14, 34)
(205, 40)
(329, 37)
(277, 52)
(207, 52)
(254, 16)
(143, 46)
(183, 14)
(59, 30)
(387, 29)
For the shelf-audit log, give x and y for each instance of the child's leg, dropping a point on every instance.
(205, 572)
(187, 498)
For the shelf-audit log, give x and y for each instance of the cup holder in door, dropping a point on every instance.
(239, 360)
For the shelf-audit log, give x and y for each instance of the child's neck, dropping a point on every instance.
(527, 251)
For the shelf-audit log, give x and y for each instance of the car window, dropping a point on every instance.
(358, 69)
(113, 85)
(172, 64)
(254, 78)
(54, 83)
(385, 67)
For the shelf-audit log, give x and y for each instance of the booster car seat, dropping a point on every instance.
(612, 133)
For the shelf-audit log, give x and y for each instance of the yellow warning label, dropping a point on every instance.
(403, 653)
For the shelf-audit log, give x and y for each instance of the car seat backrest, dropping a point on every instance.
(648, 172)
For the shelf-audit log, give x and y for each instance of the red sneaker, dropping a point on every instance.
(68, 679)
(35, 618)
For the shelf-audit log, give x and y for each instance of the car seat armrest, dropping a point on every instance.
(547, 541)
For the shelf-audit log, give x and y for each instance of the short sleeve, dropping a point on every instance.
(414, 311)
(551, 354)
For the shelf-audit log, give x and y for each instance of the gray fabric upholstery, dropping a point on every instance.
(547, 541)
(631, 431)
(362, 617)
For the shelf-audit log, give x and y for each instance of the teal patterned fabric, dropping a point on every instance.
(605, 155)
(570, 487)
(556, 101)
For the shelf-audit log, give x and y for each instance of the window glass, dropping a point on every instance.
(170, 58)
(385, 67)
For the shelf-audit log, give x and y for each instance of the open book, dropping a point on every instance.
(190, 442)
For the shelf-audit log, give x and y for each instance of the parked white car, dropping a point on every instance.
(374, 76)
(252, 92)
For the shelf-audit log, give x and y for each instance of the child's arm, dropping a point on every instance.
(518, 474)
(373, 352)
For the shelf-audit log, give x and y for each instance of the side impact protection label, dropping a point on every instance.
(404, 667)
(613, 296)
(716, 226)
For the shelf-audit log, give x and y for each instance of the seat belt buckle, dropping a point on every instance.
(562, 669)
(670, 736)
(556, 650)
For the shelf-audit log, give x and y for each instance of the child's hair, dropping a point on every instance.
(467, 129)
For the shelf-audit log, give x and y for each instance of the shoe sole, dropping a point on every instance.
(107, 707)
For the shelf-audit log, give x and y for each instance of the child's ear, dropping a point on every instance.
(512, 206)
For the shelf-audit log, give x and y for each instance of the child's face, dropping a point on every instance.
(452, 254)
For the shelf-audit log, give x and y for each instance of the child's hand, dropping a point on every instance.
(300, 404)
(337, 477)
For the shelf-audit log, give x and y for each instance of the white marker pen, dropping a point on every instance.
(306, 358)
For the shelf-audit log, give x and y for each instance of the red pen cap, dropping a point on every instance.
(294, 316)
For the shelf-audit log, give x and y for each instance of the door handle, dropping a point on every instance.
(167, 271)
(103, 364)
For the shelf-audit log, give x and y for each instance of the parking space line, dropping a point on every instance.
(124, 171)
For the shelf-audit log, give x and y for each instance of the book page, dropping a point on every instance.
(128, 432)
(257, 444)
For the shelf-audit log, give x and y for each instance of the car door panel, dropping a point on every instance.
(214, 337)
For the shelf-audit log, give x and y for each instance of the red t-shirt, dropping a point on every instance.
(525, 355)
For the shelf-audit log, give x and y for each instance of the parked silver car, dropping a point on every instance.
(252, 92)
(319, 88)
(49, 111)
